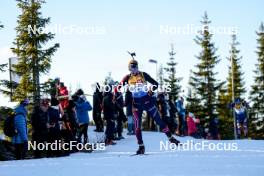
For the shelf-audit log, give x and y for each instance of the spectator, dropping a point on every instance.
(163, 108)
(72, 118)
(82, 108)
(172, 111)
(97, 109)
(213, 128)
(63, 96)
(191, 123)
(108, 107)
(53, 125)
(54, 87)
(39, 121)
(20, 140)
(181, 115)
(67, 135)
(119, 104)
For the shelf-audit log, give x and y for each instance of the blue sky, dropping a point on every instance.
(135, 26)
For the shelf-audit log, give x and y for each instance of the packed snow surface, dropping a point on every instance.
(246, 159)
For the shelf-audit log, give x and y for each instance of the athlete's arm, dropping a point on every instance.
(122, 83)
(149, 79)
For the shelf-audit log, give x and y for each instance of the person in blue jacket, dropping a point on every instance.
(20, 140)
(82, 108)
(240, 109)
(182, 128)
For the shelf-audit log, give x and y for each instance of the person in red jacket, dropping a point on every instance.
(191, 123)
(63, 96)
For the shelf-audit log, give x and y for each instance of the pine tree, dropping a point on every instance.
(257, 92)
(226, 93)
(6, 85)
(34, 59)
(226, 123)
(239, 89)
(3, 69)
(203, 80)
(193, 104)
(172, 80)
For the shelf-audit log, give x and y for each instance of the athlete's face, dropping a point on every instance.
(238, 106)
(133, 68)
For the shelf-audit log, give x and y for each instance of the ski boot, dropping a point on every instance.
(85, 140)
(141, 149)
(120, 137)
(109, 142)
(174, 141)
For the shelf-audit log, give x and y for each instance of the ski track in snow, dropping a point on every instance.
(116, 160)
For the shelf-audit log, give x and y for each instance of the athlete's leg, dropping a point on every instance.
(149, 106)
(152, 109)
(245, 128)
(137, 116)
(238, 129)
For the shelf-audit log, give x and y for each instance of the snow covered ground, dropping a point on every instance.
(116, 160)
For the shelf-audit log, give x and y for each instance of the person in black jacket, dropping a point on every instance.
(163, 108)
(173, 111)
(119, 104)
(97, 109)
(109, 107)
(72, 118)
(39, 121)
(70, 126)
(53, 125)
(213, 128)
(167, 111)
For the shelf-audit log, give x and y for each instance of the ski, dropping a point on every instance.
(139, 154)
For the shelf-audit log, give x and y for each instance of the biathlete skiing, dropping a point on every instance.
(137, 82)
(240, 109)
